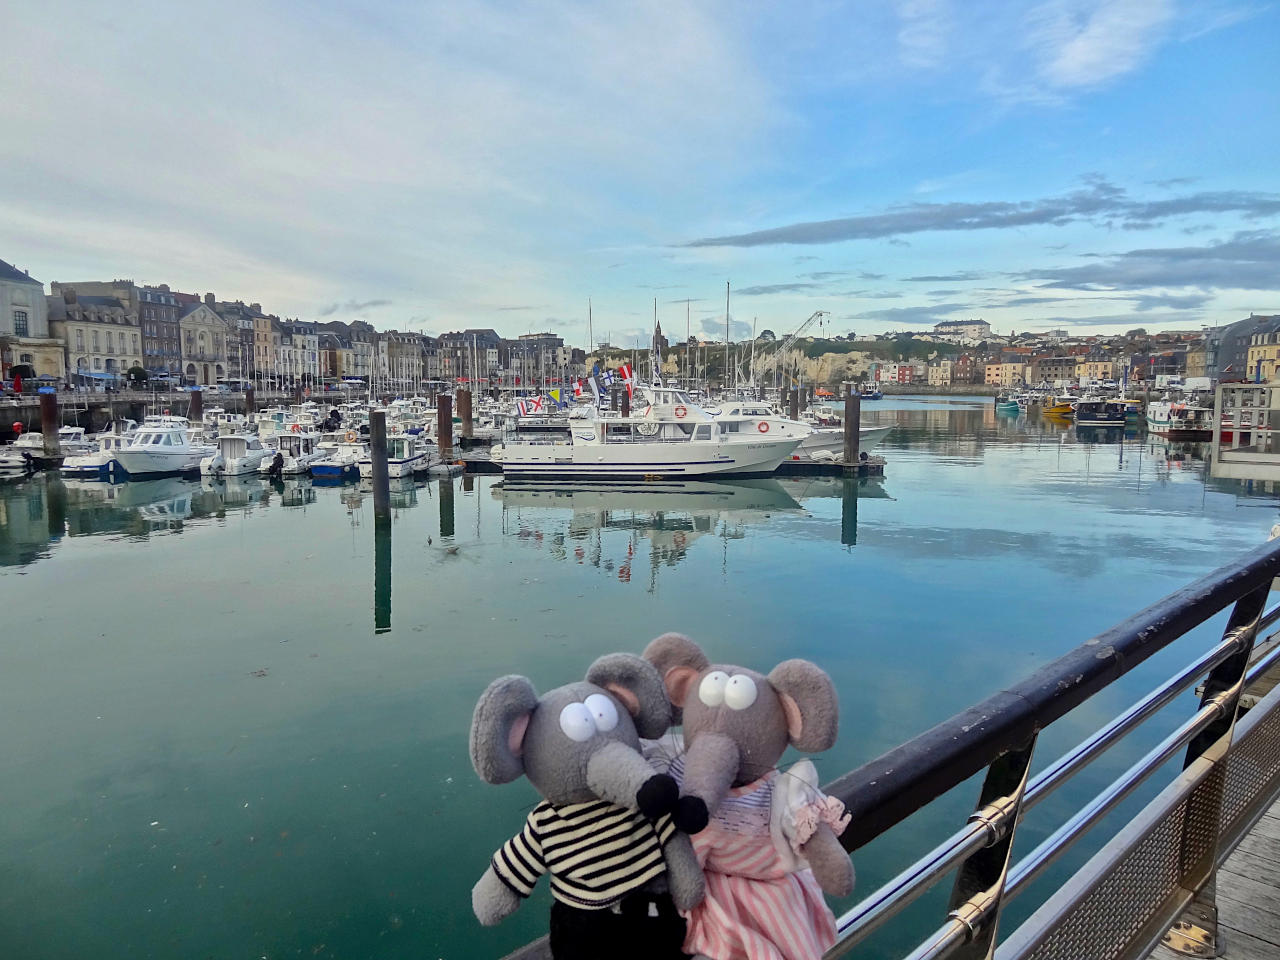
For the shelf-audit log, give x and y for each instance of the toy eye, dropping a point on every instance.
(576, 722)
(711, 689)
(740, 692)
(603, 713)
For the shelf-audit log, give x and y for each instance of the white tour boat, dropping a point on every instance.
(673, 437)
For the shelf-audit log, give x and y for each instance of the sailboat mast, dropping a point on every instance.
(725, 378)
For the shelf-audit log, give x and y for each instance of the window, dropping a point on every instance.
(19, 323)
(97, 363)
(135, 343)
(27, 359)
(95, 342)
(79, 341)
(109, 350)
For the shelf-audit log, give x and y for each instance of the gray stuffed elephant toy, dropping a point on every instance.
(619, 868)
(767, 839)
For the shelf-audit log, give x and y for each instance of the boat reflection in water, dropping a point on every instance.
(670, 515)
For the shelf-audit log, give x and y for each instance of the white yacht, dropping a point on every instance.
(406, 455)
(162, 445)
(97, 465)
(822, 433)
(299, 449)
(235, 455)
(672, 437)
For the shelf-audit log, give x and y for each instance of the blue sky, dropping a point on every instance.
(1101, 165)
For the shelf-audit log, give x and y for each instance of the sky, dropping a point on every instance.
(1083, 164)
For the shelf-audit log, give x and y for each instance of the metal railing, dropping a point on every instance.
(1000, 734)
(1103, 911)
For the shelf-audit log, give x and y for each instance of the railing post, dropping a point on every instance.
(1195, 932)
(978, 892)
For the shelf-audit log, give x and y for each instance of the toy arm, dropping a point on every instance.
(492, 901)
(684, 874)
(829, 861)
(512, 875)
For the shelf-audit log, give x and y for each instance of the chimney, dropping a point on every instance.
(164, 288)
(209, 299)
(255, 307)
(68, 295)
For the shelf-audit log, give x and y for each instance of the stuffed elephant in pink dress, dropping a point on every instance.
(767, 839)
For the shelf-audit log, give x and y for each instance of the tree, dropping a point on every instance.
(136, 374)
(767, 336)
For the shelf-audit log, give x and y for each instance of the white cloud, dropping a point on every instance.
(1087, 43)
(923, 34)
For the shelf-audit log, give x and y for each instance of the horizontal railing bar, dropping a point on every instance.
(885, 791)
(945, 939)
(1069, 763)
(1261, 666)
(1057, 843)
(904, 889)
(913, 882)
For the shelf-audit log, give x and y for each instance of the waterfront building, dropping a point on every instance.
(1052, 369)
(99, 331)
(1227, 348)
(940, 373)
(266, 344)
(204, 345)
(474, 354)
(159, 311)
(1264, 353)
(1005, 374)
(25, 343)
(1091, 369)
(298, 356)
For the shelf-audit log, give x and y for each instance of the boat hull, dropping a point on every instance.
(628, 461)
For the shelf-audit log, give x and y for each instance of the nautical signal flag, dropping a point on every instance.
(627, 376)
(577, 390)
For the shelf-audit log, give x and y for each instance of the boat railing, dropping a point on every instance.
(1161, 866)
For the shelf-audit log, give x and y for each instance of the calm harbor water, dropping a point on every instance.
(234, 721)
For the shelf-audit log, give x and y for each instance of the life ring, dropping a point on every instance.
(350, 436)
(681, 412)
(296, 428)
(764, 426)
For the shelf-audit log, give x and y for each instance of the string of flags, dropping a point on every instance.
(599, 382)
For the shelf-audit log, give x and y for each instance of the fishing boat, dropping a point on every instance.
(1008, 405)
(235, 455)
(870, 393)
(343, 463)
(1099, 412)
(673, 437)
(162, 445)
(406, 455)
(1179, 420)
(1061, 407)
(96, 465)
(298, 450)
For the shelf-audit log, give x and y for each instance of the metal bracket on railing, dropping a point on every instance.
(979, 887)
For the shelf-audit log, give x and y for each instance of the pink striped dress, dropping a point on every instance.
(762, 900)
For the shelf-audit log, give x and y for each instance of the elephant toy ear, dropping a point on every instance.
(679, 662)
(635, 684)
(498, 728)
(809, 700)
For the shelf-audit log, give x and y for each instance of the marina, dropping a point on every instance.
(274, 757)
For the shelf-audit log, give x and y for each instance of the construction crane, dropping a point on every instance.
(770, 363)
